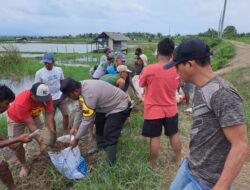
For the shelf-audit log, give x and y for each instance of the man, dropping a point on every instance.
(160, 107)
(26, 111)
(121, 60)
(6, 97)
(102, 102)
(111, 66)
(140, 63)
(118, 79)
(52, 76)
(219, 142)
(102, 67)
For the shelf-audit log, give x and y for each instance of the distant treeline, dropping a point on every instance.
(230, 32)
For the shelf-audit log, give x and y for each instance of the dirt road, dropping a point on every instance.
(241, 59)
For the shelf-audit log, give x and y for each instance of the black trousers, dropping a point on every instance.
(110, 127)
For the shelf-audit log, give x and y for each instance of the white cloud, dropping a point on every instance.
(59, 17)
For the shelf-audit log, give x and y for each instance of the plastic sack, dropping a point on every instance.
(139, 90)
(69, 162)
(180, 96)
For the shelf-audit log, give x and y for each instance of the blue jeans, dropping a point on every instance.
(185, 181)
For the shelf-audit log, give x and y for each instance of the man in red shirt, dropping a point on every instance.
(160, 107)
(26, 111)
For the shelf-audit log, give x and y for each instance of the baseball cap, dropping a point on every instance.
(110, 56)
(106, 50)
(144, 58)
(122, 68)
(41, 91)
(189, 49)
(121, 56)
(48, 58)
(68, 85)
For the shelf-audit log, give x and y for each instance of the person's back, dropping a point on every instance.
(110, 78)
(161, 86)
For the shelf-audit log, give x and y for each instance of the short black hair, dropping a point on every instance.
(166, 47)
(6, 94)
(69, 85)
(106, 50)
(138, 51)
(203, 61)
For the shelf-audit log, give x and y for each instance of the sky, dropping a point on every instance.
(72, 17)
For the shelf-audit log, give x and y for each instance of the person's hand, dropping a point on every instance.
(73, 143)
(136, 93)
(73, 131)
(24, 138)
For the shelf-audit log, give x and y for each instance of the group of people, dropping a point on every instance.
(218, 136)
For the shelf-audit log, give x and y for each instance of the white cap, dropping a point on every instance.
(122, 68)
(41, 91)
(144, 59)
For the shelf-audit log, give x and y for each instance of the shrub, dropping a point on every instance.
(11, 55)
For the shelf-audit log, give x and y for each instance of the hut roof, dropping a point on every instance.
(116, 36)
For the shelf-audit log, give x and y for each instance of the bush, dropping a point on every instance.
(11, 55)
(223, 52)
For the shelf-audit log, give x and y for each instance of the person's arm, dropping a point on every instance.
(132, 86)
(50, 120)
(22, 138)
(120, 83)
(143, 78)
(78, 117)
(37, 77)
(237, 136)
(61, 75)
(31, 126)
(78, 132)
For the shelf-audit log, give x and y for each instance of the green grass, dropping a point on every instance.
(240, 79)
(29, 67)
(222, 53)
(243, 39)
(3, 126)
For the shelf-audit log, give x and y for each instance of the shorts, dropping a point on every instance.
(62, 105)
(16, 129)
(153, 128)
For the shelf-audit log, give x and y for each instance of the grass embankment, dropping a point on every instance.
(242, 39)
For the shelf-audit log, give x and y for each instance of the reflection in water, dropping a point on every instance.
(50, 47)
(18, 85)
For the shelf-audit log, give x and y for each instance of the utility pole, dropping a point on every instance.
(223, 17)
(219, 27)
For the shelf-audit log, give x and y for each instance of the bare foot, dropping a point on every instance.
(24, 171)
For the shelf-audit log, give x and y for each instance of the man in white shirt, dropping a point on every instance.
(53, 76)
(102, 67)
